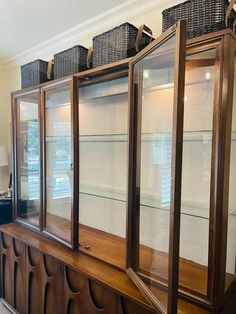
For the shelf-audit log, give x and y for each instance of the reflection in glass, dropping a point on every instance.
(154, 88)
(103, 116)
(231, 243)
(59, 168)
(28, 150)
(196, 170)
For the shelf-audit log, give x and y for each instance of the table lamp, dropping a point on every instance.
(3, 160)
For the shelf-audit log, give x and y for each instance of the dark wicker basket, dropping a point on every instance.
(117, 44)
(34, 73)
(202, 16)
(70, 61)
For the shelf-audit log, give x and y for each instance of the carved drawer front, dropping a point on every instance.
(84, 296)
(7, 262)
(19, 277)
(43, 283)
(125, 306)
(35, 283)
(13, 273)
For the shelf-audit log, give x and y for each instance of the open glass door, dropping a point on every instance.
(156, 138)
(61, 165)
(27, 166)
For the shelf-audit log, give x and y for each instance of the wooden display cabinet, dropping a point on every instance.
(133, 164)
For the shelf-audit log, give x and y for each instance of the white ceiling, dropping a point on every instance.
(26, 23)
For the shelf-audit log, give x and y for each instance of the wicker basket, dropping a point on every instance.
(202, 16)
(70, 61)
(119, 43)
(34, 73)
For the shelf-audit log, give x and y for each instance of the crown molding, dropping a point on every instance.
(128, 10)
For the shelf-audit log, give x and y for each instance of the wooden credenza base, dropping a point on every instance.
(36, 283)
(41, 276)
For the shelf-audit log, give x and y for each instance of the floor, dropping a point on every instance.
(3, 309)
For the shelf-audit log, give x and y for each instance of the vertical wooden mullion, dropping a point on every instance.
(225, 124)
(14, 157)
(229, 123)
(131, 248)
(212, 235)
(176, 171)
(43, 159)
(134, 174)
(223, 139)
(75, 161)
(17, 161)
(212, 230)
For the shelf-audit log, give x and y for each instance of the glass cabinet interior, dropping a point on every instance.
(196, 170)
(103, 146)
(28, 179)
(199, 147)
(58, 161)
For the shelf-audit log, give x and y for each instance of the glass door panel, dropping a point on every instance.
(196, 170)
(28, 158)
(158, 93)
(58, 162)
(103, 128)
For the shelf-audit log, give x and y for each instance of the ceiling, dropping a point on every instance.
(26, 23)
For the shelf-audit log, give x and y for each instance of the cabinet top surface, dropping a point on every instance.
(124, 64)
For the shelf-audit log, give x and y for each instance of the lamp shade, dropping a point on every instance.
(3, 156)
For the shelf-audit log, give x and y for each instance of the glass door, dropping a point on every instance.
(156, 139)
(27, 179)
(60, 119)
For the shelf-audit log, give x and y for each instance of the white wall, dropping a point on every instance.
(137, 12)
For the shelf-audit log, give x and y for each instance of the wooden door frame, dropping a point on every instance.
(73, 85)
(15, 156)
(179, 31)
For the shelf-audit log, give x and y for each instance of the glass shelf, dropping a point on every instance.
(51, 139)
(202, 135)
(102, 97)
(103, 90)
(148, 201)
(118, 195)
(170, 85)
(104, 138)
(65, 171)
(59, 105)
